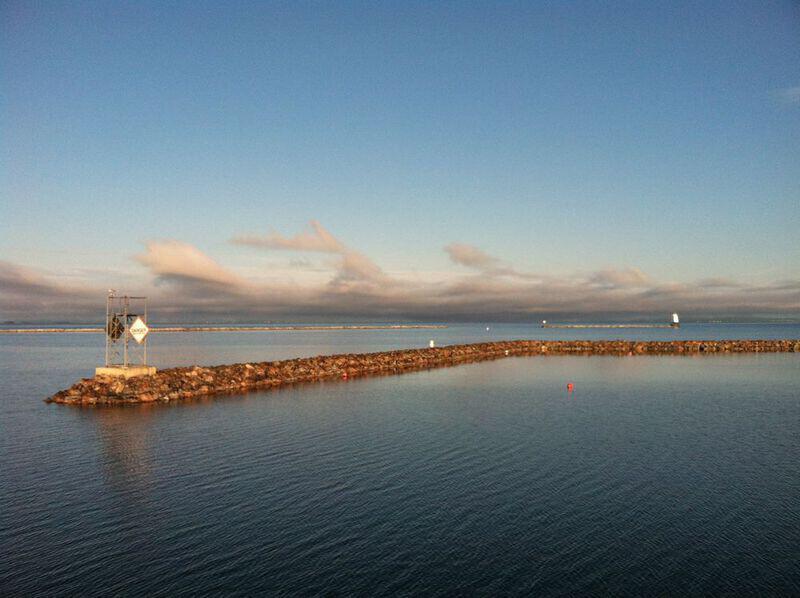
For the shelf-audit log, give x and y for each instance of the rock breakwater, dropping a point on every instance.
(190, 382)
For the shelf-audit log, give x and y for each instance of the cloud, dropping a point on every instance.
(620, 279)
(301, 263)
(718, 283)
(470, 256)
(317, 240)
(357, 289)
(790, 95)
(16, 280)
(25, 293)
(475, 258)
(358, 267)
(353, 267)
(176, 261)
(781, 285)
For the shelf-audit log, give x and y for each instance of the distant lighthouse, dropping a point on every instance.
(676, 323)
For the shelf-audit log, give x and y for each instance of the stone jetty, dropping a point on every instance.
(190, 382)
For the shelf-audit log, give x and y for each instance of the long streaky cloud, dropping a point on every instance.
(354, 268)
(470, 256)
(26, 291)
(478, 260)
(177, 261)
(626, 278)
(316, 240)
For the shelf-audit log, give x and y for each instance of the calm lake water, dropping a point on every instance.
(657, 475)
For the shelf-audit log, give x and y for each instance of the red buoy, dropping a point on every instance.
(570, 387)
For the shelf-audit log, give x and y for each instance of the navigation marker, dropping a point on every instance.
(139, 330)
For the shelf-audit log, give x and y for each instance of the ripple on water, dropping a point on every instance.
(487, 478)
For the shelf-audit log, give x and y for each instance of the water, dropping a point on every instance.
(658, 475)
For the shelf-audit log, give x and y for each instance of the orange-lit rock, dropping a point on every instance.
(186, 383)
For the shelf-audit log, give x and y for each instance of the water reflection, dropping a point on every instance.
(125, 440)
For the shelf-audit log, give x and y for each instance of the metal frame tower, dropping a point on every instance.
(125, 316)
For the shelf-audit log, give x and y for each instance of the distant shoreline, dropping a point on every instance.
(226, 328)
(609, 326)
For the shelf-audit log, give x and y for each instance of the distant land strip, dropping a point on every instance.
(193, 382)
(608, 326)
(226, 328)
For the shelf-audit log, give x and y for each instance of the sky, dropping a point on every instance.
(400, 160)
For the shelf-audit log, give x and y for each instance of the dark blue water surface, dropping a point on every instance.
(657, 475)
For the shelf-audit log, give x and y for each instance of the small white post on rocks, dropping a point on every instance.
(126, 320)
(431, 344)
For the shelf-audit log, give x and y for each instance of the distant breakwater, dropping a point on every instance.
(608, 326)
(229, 328)
(191, 382)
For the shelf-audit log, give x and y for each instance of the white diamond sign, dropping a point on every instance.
(139, 330)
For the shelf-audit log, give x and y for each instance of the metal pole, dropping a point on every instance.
(108, 324)
(125, 319)
(144, 358)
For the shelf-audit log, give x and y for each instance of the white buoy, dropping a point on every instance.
(487, 329)
(431, 344)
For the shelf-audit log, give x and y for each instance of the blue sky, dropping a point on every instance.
(561, 139)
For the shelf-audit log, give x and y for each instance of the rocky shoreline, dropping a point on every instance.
(191, 382)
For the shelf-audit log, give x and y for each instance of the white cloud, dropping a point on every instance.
(470, 256)
(317, 240)
(175, 260)
(353, 267)
(625, 278)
